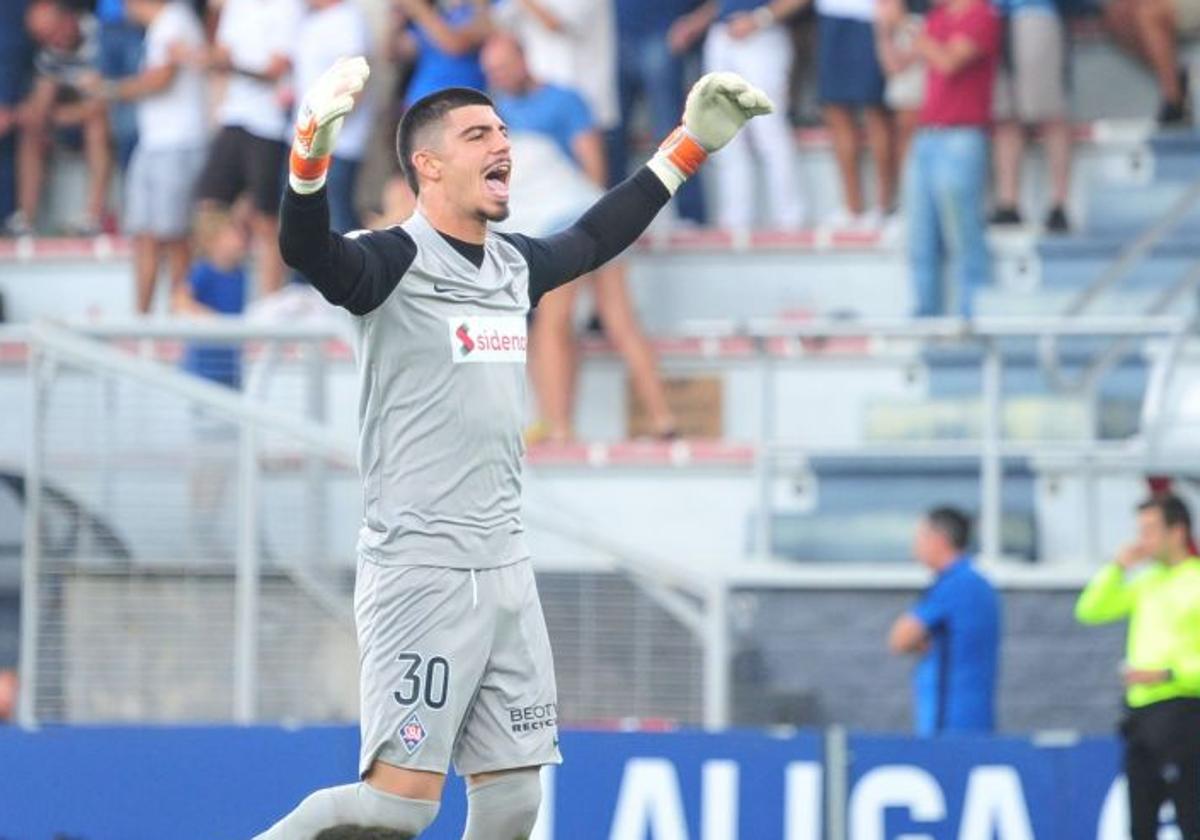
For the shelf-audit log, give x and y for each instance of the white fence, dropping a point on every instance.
(224, 594)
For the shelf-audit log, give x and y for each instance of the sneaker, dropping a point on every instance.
(17, 225)
(1056, 221)
(843, 221)
(839, 220)
(870, 220)
(1173, 115)
(82, 228)
(1005, 216)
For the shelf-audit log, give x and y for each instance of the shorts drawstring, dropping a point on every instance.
(474, 591)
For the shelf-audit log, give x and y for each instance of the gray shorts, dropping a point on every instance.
(159, 189)
(455, 666)
(1031, 82)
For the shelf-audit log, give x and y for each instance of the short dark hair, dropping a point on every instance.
(1173, 509)
(362, 832)
(425, 112)
(953, 524)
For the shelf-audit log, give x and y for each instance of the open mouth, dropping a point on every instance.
(495, 180)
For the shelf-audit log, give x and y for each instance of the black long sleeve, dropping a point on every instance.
(610, 226)
(357, 272)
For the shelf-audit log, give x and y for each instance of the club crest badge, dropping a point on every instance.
(412, 733)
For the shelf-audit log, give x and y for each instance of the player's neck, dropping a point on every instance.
(451, 221)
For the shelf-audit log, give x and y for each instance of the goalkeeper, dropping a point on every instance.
(455, 662)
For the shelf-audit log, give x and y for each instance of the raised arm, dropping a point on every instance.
(1109, 596)
(357, 271)
(611, 225)
(717, 108)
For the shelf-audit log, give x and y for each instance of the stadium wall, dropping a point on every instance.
(224, 783)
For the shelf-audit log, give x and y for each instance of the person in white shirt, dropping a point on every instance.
(172, 130)
(332, 29)
(253, 50)
(746, 38)
(571, 43)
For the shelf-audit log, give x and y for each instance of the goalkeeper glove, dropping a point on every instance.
(320, 119)
(718, 105)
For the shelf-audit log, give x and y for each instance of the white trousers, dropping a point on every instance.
(764, 60)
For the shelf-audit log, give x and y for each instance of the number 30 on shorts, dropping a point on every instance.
(429, 683)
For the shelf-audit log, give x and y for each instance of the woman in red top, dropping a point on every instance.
(946, 180)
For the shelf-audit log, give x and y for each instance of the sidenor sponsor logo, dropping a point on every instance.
(488, 339)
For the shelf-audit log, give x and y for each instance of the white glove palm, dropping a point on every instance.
(718, 105)
(320, 118)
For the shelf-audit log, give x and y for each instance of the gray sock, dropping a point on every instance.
(357, 804)
(504, 809)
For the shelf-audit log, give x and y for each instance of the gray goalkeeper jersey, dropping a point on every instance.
(442, 406)
(441, 356)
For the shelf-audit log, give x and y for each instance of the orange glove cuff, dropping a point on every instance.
(308, 169)
(683, 151)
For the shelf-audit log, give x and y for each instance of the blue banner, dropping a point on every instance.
(229, 783)
(982, 787)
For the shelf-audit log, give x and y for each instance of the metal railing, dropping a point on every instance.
(1131, 255)
(690, 609)
(988, 335)
(637, 642)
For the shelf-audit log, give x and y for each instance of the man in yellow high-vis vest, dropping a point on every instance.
(1162, 665)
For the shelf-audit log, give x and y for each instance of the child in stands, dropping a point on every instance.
(216, 285)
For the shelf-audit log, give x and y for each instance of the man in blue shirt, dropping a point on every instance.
(562, 171)
(446, 38)
(954, 628)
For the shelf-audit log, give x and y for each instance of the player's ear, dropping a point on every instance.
(427, 165)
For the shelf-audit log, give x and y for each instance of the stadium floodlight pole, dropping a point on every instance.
(32, 554)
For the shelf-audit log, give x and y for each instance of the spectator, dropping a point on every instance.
(946, 177)
(446, 39)
(252, 50)
(651, 42)
(16, 62)
(955, 630)
(1148, 30)
(337, 28)
(216, 285)
(850, 79)
(437, 46)
(67, 55)
(897, 27)
(1031, 91)
(120, 41)
(747, 39)
(560, 174)
(171, 128)
(572, 43)
(8, 695)
(1162, 663)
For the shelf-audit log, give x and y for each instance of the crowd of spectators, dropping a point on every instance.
(189, 104)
